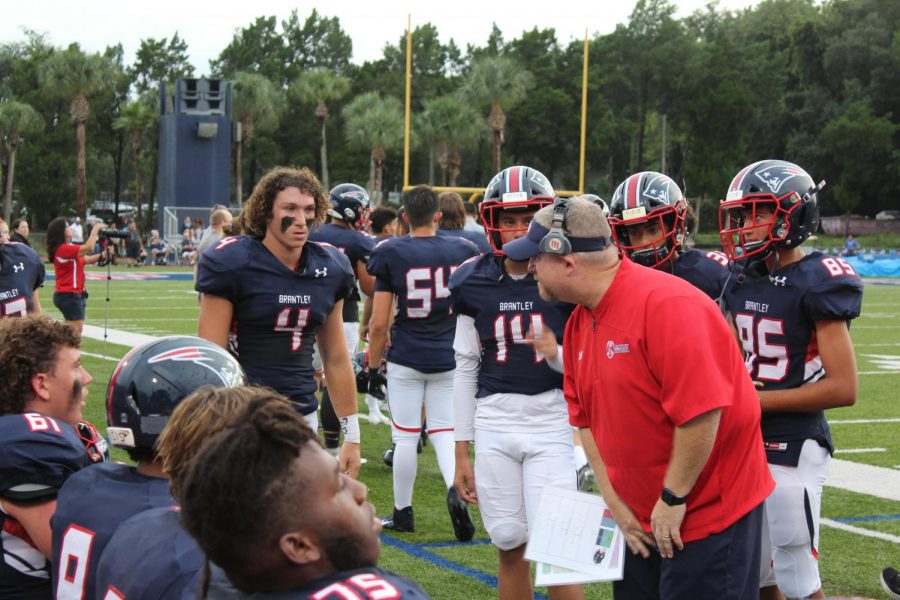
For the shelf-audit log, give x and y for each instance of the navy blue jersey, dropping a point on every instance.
(707, 271)
(357, 246)
(21, 273)
(370, 583)
(775, 316)
(417, 271)
(505, 310)
(150, 557)
(89, 508)
(476, 237)
(37, 455)
(277, 311)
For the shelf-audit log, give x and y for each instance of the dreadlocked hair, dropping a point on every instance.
(237, 494)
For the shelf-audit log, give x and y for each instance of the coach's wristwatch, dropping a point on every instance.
(669, 497)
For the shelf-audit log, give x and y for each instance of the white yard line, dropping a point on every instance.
(860, 478)
(860, 531)
(116, 336)
(859, 450)
(861, 421)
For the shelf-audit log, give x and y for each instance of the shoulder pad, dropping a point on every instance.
(229, 253)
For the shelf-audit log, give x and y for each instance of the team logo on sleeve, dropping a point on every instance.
(204, 357)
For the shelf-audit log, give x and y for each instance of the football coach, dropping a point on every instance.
(665, 407)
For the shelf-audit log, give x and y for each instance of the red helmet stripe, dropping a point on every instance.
(739, 178)
(512, 181)
(631, 192)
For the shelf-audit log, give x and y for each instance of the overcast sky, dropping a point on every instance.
(208, 26)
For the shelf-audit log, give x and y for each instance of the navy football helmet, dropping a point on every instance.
(653, 199)
(350, 204)
(150, 381)
(771, 203)
(95, 444)
(521, 188)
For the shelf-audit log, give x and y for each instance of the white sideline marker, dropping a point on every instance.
(859, 450)
(860, 478)
(861, 421)
(861, 531)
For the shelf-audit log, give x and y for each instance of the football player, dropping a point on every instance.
(282, 294)
(144, 389)
(508, 382)
(792, 313)
(43, 392)
(21, 274)
(153, 543)
(415, 270)
(349, 217)
(239, 500)
(647, 218)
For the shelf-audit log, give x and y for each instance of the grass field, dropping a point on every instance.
(851, 561)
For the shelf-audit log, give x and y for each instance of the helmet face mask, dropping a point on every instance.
(655, 203)
(512, 189)
(350, 204)
(770, 204)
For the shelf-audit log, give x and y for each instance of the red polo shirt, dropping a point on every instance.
(654, 354)
(69, 269)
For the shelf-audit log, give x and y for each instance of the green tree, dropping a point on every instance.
(454, 127)
(136, 118)
(17, 120)
(497, 82)
(318, 42)
(258, 48)
(375, 124)
(256, 105)
(320, 86)
(74, 75)
(160, 60)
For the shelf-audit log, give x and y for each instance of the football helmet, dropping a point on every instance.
(771, 203)
(653, 200)
(350, 204)
(150, 381)
(95, 444)
(521, 188)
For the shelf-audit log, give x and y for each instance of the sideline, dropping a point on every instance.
(116, 336)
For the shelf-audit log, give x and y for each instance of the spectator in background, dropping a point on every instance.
(188, 250)
(384, 222)
(4, 232)
(472, 223)
(186, 224)
(21, 274)
(219, 227)
(68, 260)
(454, 218)
(20, 231)
(851, 246)
(134, 246)
(159, 249)
(77, 231)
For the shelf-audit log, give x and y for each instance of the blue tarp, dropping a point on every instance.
(869, 265)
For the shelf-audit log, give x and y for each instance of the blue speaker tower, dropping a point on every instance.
(195, 137)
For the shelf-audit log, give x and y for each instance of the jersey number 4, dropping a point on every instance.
(758, 348)
(283, 320)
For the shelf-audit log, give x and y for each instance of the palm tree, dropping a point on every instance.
(375, 124)
(136, 117)
(71, 74)
(256, 105)
(454, 126)
(497, 82)
(320, 86)
(17, 119)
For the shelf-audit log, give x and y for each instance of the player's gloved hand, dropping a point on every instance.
(377, 383)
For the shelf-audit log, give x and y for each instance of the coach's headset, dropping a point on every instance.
(557, 241)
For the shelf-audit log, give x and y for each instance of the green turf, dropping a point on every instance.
(850, 562)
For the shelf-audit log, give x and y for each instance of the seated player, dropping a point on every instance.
(153, 543)
(792, 312)
(43, 392)
(240, 499)
(146, 386)
(507, 389)
(647, 218)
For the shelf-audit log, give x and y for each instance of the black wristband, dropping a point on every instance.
(669, 497)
